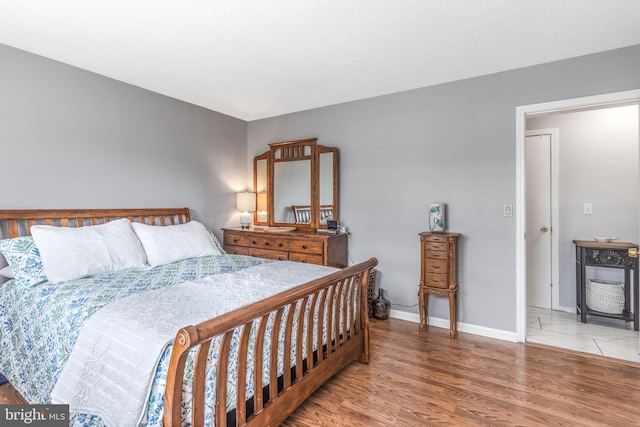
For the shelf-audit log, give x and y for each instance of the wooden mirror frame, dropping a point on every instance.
(292, 151)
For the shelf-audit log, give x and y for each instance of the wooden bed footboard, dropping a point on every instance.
(337, 303)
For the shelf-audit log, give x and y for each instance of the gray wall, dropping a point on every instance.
(598, 163)
(454, 143)
(70, 138)
(73, 139)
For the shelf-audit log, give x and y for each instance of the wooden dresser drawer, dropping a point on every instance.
(305, 246)
(281, 244)
(436, 246)
(261, 242)
(436, 266)
(236, 239)
(253, 241)
(442, 238)
(311, 259)
(276, 244)
(437, 255)
(236, 250)
(269, 254)
(436, 280)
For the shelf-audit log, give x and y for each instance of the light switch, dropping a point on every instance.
(508, 210)
(588, 209)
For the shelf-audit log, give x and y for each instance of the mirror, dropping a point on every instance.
(301, 184)
(291, 187)
(327, 184)
(260, 186)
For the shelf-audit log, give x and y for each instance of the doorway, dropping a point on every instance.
(521, 203)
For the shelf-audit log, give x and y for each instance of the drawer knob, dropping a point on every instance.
(281, 244)
(304, 261)
(279, 258)
(266, 243)
(235, 240)
(304, 247)
(254, 242)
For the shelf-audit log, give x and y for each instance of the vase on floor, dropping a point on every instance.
(381, 306)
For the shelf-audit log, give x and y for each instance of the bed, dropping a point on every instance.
(280, 329)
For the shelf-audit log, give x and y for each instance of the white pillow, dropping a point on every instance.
(7, 272)
(171, 243)
(72, 253)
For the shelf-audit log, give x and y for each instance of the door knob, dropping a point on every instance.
(544, 229)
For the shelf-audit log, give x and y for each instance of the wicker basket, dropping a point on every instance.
(605, 296)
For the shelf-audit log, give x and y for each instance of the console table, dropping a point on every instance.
(609, 255)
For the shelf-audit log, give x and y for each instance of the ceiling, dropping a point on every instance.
(254, 59)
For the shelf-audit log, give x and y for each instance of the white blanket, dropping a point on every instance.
(111, 367)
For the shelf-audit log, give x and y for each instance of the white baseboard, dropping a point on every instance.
(462, 327)
(567, 309)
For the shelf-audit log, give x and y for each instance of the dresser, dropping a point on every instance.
(311, 247)
(438, 274)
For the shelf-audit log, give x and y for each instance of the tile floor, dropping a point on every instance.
(607, 337)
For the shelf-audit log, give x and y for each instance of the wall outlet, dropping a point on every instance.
(588, 209)
(507, 210)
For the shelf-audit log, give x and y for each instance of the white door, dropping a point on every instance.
(538, 202)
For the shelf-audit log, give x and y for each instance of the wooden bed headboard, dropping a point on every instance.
(19, 222)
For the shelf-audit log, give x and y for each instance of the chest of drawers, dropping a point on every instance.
(438, 273)
(311, 247)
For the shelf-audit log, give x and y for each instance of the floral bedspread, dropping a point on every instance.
(39, 327)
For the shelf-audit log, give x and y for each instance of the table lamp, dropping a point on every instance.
(246, 202)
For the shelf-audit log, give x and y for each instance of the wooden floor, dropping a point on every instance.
(424, 378)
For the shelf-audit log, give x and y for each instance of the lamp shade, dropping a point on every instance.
(246, 201)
